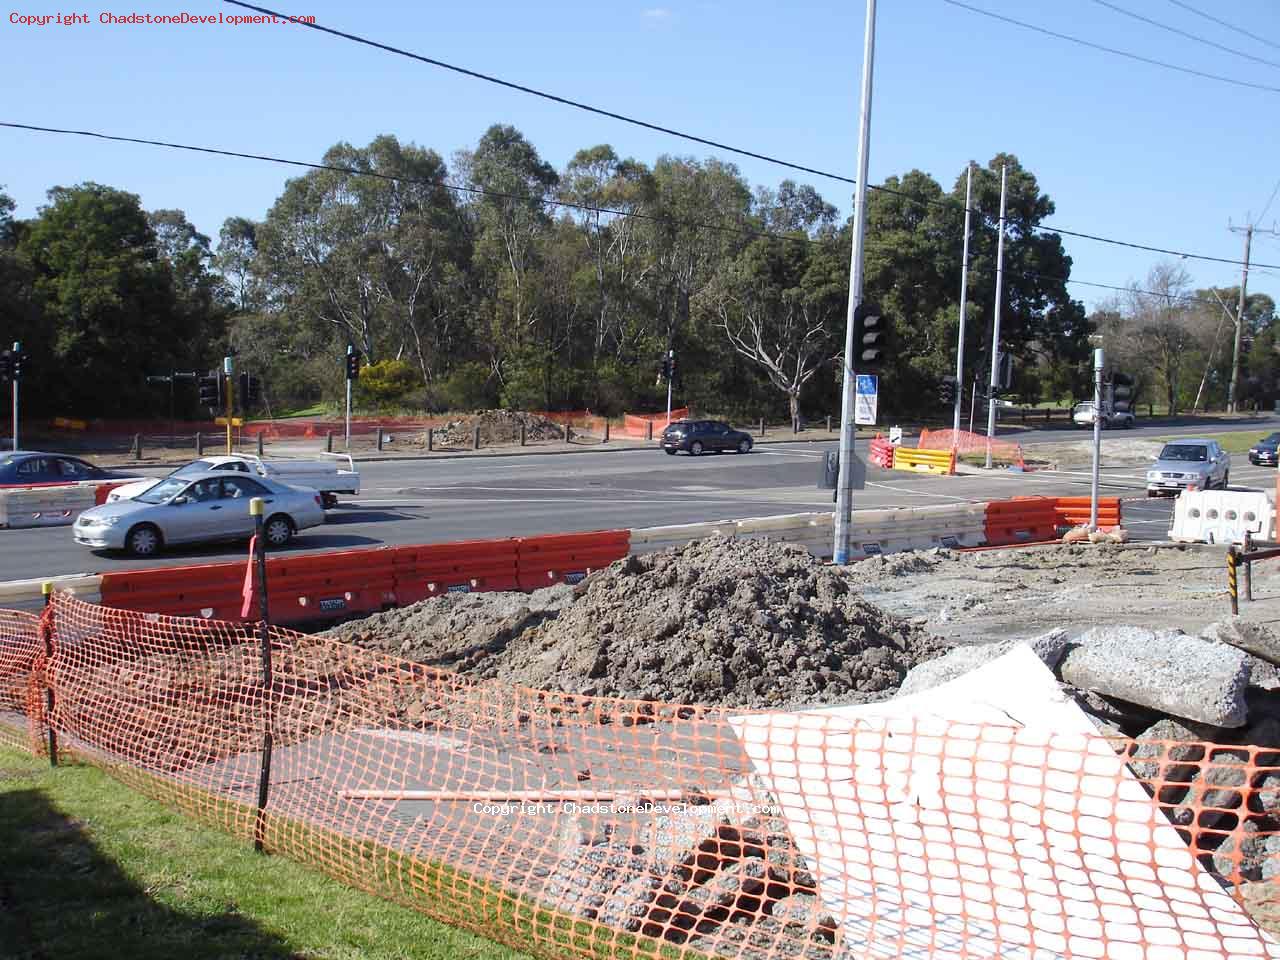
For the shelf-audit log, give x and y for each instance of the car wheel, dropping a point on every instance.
(278, 530)
(669, 451)
(744, 446)
(143, 540)
(695, 448)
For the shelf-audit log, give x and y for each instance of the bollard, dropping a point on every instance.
(648, 430)
(475, 439)
(568, 428)
(199, 444)
(1047, 411)
(795, 424)
(522, 434)
(606, 432)
(431, 439)
(828, 423)
(259, 443)
(137, 446)
(1231, 581)
(328, 442)
(379, 438)
(1024, 414)
(762, 426)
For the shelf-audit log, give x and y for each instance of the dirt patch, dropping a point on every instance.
(1116, 452)
(498, 427)
(718, 622)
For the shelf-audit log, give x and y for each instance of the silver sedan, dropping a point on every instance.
(197, 509)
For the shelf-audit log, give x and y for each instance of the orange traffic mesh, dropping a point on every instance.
(579, 826)
(962, 441)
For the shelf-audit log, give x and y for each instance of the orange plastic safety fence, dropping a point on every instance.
(588, 826)
(20, 648)
(962, 441)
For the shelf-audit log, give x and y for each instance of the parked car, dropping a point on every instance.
(23, 467)
(205, 507)
(323, 475)
(1202, 464)
(699, 436)
(1263, 453)
(1082, 416)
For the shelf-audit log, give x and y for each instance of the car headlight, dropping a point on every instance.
(1153, 474)
(101, 521)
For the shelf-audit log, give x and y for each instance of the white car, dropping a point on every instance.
(323, 475)
(1082, 416)
(208, 506)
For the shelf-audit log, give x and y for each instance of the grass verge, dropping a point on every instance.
(93, 869)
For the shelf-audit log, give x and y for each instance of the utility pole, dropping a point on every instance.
(227, 370)
(17, 359)
(350, 353)
(1248, 232)
(848, 431)
(964, 289)
(995, 329)
(671, 375)
(1099, 362)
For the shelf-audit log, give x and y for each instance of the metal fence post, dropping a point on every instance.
(568, 429)
(328, 442)
(137, 446)
(1248, 568)
(379, 438)
(523, 435)
(606, 431)
(475, 439)
(260, 443)
(256, 508)
(431, 439)
(762, 426)
(199, 444)
(648, 430)
(828, 423)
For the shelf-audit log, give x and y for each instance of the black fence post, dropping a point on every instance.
(762, 426)
(523, 435)
(46, 634)
(431, 439)
(256, 507)
(606, 431)
(199, 444)
(328, 442)
(379, 438)
(137, 446)
(260, 443)
(648, 430)
(475, 439)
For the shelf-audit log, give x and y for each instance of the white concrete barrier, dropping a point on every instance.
(1223, 516)
(48, 506)
(29, 594)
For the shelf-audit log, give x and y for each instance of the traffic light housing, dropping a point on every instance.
(6, 366)
(665, 372)
(210, 387)
(17, 362)
(1122, 393)
(353, 365)
(249, 390)
(947, 390)
(870, 337)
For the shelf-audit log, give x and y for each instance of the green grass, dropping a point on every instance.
(1235, 441)
(92, 869)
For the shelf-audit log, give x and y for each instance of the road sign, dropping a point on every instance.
(866, 399)
(235, 421)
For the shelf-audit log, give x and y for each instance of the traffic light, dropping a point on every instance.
(665, 372)
(870, 336)
(1122, 391)
(210, 387)
(17, 362)
(6, 366)
(248, 391)
(353, 364)
(672, 360)
(947, 390)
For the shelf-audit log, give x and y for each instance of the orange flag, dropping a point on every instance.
(249, 591)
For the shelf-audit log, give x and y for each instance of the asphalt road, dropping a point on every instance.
(421, 501)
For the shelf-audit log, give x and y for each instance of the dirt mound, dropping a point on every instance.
(499, 426)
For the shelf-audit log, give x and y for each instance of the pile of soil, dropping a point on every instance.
(739, 623)
(499, 426)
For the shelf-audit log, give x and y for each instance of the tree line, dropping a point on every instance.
(499, 280)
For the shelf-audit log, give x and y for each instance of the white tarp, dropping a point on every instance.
(985, 818)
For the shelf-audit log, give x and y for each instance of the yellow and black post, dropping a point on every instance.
(256, 508)
(46, 634)
(1232, 588)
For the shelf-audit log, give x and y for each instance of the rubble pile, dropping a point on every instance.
(498, 427)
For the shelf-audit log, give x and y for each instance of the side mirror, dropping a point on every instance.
(178, 501)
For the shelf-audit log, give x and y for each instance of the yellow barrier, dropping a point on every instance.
(65, 424)
(924, 461)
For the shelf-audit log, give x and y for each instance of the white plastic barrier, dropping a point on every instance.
(1223, 516)
(48, 506)
(874, 531)
(29, 594)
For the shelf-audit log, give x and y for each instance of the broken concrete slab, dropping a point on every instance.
(1254, 638)
(1049, 647)
(1255, 857)
(1167, 751)
(1169, 671)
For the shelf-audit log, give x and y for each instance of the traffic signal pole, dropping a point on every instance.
(848, 430)
(995, 330)
(350, 351)
(17, 354)
(226, 372)
(671, 375)
(964, 288)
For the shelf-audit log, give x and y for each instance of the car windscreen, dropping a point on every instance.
(196, 466)
(1083, 408)
(163, 490)
(1185, 451)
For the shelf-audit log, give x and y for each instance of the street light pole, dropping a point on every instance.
(848, 430)
(1098, 363)
(995, 329)
(964, 289)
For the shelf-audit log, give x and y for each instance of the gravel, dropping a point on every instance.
(498, 427)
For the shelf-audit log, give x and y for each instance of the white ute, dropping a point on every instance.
(325, 476)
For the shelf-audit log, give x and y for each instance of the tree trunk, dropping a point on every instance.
(793, 396)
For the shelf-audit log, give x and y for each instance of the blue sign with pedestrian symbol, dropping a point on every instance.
(865, 399)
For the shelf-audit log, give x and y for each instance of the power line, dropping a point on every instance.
(1184, 33)
(953, 206)
(1270, 200)
(493, 194)
(1223, 23)
(1105, 49)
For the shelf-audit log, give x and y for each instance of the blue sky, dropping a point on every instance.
(1124, 149)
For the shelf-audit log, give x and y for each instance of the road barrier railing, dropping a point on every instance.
(467, 566)
(567, 557)
(991, 820)
(1223, 516)
(1022, 520)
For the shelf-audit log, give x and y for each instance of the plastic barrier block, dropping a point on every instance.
(1022, 520)
(1222, 516)
(468, 566)
(567, 558)
(1075, 512)
(45, 506)
(208, 590)
(324, 585)
(925, 461)
(882, 453)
